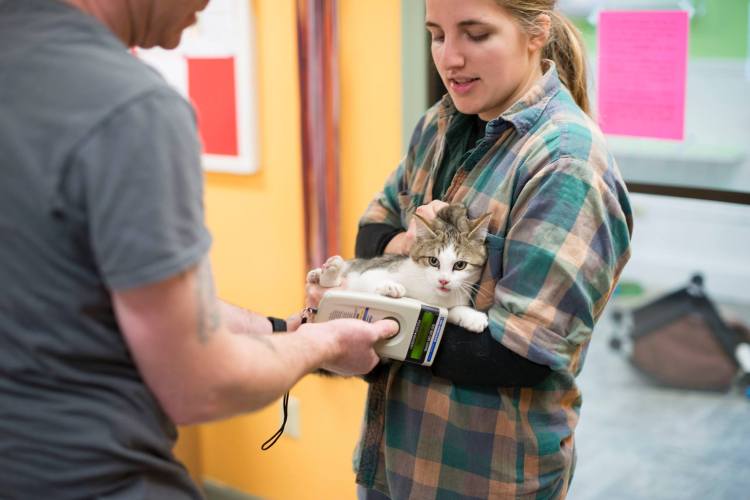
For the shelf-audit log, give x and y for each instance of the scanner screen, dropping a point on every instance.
(425, 327)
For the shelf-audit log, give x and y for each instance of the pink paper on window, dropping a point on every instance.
(643, 73)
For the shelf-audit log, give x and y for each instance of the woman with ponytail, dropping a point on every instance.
(494, 417)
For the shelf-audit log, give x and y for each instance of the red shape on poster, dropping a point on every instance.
(211, 87)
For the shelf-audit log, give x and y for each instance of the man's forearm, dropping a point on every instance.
(243, 321)
(257, 369)
(233, 374)
(199, 369)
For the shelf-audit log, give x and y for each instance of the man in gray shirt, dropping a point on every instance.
(110, 331)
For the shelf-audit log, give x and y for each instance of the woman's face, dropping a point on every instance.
(484, 59)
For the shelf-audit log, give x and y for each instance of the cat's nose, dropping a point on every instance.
(443, 282)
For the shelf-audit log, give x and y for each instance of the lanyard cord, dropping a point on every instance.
(272, 440)
(306, 313)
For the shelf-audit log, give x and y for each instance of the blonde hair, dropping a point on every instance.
(564, 44)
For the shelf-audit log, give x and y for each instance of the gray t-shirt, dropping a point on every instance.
(100, 190)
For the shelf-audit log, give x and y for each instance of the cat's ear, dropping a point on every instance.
(424, 229)
(479, 227)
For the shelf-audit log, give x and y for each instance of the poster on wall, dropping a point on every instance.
(214, 68)
(642, 73)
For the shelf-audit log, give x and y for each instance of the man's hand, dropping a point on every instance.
(402, 243)
(352, 343)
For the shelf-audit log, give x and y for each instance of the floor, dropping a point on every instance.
(636, 441)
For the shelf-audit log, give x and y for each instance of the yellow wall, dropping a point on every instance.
(258, 253)
(370, 104)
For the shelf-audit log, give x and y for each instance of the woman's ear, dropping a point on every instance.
(539, 39)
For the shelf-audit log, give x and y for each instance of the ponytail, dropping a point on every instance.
(564, 44)
(566, 48)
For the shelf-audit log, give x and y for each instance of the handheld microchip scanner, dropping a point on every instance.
(420, 325)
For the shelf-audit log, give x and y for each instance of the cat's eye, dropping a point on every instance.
(434, 262)
(460, 265)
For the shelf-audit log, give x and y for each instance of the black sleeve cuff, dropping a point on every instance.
(373, 238)
(278, 325)
(374, 374)
(470, 358)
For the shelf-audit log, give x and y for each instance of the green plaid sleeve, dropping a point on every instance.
(567, 241)
(385, 208)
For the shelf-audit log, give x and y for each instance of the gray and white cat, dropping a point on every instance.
(442, 269)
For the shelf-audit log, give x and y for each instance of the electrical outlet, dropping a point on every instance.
(292, 428)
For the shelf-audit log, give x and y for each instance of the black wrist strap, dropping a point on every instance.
(278, 325)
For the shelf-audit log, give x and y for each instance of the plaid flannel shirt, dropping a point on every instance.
(558, 239)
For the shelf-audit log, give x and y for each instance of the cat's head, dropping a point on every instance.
(451, 248)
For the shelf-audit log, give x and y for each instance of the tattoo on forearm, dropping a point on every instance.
(209, 316)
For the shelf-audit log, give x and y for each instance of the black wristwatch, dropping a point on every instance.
(278, 325)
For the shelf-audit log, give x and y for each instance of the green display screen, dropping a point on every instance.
(423, 331)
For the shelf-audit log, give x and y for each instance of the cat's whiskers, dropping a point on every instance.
(467, 288)
(476, 288)
(483, 293)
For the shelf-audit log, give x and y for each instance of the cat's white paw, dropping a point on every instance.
(391, 289)
(469, 318)
(331, 272)
(313, 277)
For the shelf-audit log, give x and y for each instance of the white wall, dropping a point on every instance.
(674, 237)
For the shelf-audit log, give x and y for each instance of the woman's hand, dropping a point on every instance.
(402, 243)
(293, 322)
(314, 292)
(329, 276)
